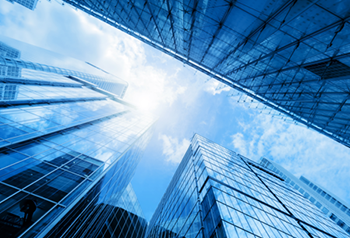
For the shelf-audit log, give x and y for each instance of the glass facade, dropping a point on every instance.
(126, 220)
(30, 4)
(19, 61)
(290, 55)
(329, 204)
(68, 151)
(216, 193)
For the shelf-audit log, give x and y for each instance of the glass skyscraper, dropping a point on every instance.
(330, 204)
(217, 193)
(30, 4)
(68, 151)
(290, 55)
(18, 59)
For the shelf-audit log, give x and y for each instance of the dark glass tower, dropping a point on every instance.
(216, 193)
(68, 151)
(291, 55)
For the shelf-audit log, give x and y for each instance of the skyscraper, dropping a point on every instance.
(217, 193)
(30, 4)
(331, 205)
(22, 60)
(290, 55)
(9, 52)
(68, 151)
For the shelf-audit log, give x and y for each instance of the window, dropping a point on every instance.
(333, 217)
(319, 205)
(340, 223)
(304, 180)
(327, 197)
(348, 230)
(332, 200)
(325, 210)
(319, 190)
(306, 195)
(323, 193)
(315, 187)
(338, 204)
(312, 199)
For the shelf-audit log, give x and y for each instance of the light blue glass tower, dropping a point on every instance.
(18, 61)
(291, 55)
(332, 206)
(216, 193)
(68, 150)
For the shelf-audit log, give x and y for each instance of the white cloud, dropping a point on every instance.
(173, 149)
(215, 87)
(239, 143)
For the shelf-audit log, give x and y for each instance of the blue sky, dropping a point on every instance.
(186, 102)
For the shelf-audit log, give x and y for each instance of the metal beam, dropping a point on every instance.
(193, 15)
(221, 25)
(326, 28)
(295, 67)
(170, 15)
(259, 28)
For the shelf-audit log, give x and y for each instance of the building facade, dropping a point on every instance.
(217, 193)
(331, 205)
(30, 4)
(68, 151)
(290, 55)
(17, 59)
(9, 70)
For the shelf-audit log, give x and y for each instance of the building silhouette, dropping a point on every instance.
(293, 56)
(68, 150)
(216, 192)
(330, 204)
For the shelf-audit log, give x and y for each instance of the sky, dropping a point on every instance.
(184, 100)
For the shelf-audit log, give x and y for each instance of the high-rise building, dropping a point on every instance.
(126, 220)
(334, 207)
(217, 193)
(19, 60)
(9, 52)
(290, 55)
(30, 4)
(68, 151)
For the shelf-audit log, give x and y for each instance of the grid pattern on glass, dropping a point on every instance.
(98, 214)
(290, 55)
(129, 202)
(59, 167)
(237, 198)
(126, 219)
(342, 207)
(45, 76)
(14, 92)
(22, 123)
(315, 194)
(178, 213)
(30, 69)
